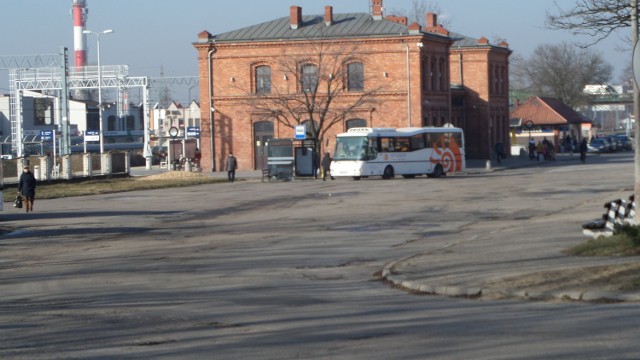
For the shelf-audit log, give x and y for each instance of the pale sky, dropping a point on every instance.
(149, 34)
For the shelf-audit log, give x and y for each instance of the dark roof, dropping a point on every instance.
(344, 26)
(548, 111)
(460, 40)
(313, 26)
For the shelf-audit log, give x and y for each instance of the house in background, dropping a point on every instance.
(414, 76)
(543, 117)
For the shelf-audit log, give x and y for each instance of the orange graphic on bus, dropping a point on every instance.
(447, 152)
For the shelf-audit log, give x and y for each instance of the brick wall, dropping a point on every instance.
(385, 64)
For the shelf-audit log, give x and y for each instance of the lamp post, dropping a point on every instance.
(97, 34)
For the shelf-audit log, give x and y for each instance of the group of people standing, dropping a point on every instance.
(546, 148)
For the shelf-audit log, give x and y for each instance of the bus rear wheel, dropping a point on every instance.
(438, 171)
(388, 172)
(356, 178)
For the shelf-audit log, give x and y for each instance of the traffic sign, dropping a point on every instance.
(193, 131)
(46, 135)
(301, 132)
(92, 135)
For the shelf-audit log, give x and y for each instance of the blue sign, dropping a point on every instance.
(92, 135)
(193, 131)
(301, 132)
(46, 135)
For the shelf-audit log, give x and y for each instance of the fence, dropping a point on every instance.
(68, 166)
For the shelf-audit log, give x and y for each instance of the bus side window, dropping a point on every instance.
(387, 145)
(402, 144)
(417, 142)
(428, 140)
(372, 149)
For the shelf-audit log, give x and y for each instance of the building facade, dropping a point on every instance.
(332, 72)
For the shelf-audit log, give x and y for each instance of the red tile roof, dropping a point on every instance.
(547, 111)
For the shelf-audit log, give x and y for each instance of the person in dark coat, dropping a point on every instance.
(27, 187)
(232, 166)
(326, 166)
(583, 150)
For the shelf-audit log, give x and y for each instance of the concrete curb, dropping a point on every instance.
(421, 287)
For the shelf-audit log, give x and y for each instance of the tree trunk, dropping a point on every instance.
(636, 111)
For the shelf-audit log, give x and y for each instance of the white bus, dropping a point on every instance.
(386, 152)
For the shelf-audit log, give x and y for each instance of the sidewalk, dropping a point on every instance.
(473, 167)
(499, 267)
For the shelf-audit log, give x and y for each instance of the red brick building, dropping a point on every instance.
(332, 72)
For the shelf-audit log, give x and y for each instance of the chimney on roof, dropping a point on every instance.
(402, 20)
(296, 17)
(376, 9)
(328, 15)
(483, 41)
(432, 20)
(415, 29)
(433, 26)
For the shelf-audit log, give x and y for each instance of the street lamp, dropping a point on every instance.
(97, 34)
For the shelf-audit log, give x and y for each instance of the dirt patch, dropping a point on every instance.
(612, 278)
(169, 175)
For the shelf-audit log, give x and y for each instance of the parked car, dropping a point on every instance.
(614, 144)
(599, 145)
(624, 141)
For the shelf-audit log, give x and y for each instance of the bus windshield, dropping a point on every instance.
(351, 148)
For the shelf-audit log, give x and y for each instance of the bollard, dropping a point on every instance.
(36, 172)
(187, 166)
(488, 165)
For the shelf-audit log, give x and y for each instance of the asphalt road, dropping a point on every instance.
(286, 270)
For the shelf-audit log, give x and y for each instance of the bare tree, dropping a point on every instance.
(599, 19)
(626, 77)
(561, 71)
(418, 10)
(328, 87)
(595, 18)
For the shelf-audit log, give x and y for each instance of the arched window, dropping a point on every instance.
(311, 129)
(263, 127)
(263, 79)
(309, 78)
(432, 75)
(354, 123)
(424, 69)
(131, 122)
(442, 73)
(355, 77)
(111, 123)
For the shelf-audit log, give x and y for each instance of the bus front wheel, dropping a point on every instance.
(388, 172)
(356, 178)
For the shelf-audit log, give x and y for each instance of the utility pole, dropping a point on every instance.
(636, 111)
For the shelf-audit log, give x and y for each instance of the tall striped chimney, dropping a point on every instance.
(80, 12)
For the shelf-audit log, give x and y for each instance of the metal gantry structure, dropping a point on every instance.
(51, 72)
(62, 78)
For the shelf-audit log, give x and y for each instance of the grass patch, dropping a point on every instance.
(59, 189)
(624, 242)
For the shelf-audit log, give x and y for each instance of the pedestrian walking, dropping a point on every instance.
(27, 187)
(583, 150)
(500, 152)
(532, 149)
(326, 166)
(232, 166)
(197, 155)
